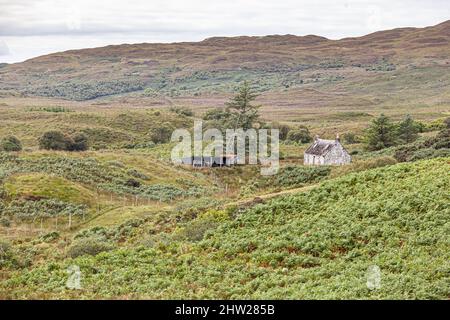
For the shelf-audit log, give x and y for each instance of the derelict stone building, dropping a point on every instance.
(326, 152)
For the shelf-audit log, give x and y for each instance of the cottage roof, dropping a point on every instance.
(320, 146)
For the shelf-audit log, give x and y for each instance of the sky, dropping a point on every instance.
(29, 28)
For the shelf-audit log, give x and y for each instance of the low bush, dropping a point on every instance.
(6, 254)
(5, 222)
(42, 208)
(301, 135)
(56, 140)
(10, 143)
(351, 138)
(88, 246)
(182, 111)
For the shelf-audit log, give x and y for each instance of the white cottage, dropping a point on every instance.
(326, 152)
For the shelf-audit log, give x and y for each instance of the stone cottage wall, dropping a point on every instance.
(337, 155)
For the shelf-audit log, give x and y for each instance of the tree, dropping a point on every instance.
(408, 130)
(243, 113)
(79, 142)
(10, 143)
(54, 140)
(300, 135)
(380, 134)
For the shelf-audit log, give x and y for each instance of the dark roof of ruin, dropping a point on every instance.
(320, 147)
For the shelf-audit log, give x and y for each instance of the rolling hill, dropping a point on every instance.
(286, 65)
(316, 244)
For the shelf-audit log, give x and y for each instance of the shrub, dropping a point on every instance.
(10, 143)
(374, 163)
(132, 183)
(137, 174)
(290, 176)
(5, 248)
(88, 246)
(49, 237)
(161, 133)
(351, 138)
(79, 142)
(301, 135)
(42, 208)
(95, 232)
(438, 146)
(182, 111)
(196, 229)
(5, 222)
(54, 140)
(6, 254)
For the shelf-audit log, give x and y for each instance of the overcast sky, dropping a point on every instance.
(30, 28)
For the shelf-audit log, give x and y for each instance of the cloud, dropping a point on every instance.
(4, 50)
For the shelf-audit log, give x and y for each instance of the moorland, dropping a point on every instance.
(137, 226)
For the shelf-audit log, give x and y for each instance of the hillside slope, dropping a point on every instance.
(316, 244)
(213, 66)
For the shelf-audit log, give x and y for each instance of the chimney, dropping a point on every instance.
(316, 137)
(337, 137)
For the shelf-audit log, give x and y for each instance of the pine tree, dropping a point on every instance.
(243, 113)
(380, 134)
(408, 130)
